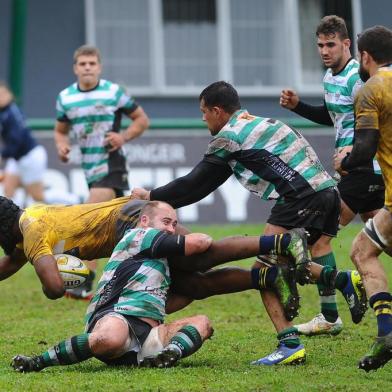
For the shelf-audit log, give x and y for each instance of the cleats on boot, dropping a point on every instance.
(24, 364)
(168, 357)
(380, 353)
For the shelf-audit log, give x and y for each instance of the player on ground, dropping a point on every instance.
(125, 318)
(373, 113)
(274, 162)
(362, 189)
(91, 109)
(91, 231)
(123, 303)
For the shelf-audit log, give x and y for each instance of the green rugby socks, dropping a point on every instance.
(186, 341)
(327, 294)
(67, 352)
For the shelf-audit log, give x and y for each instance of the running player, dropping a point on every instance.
(373, 113)
(362, 190)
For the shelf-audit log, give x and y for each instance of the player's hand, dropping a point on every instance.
(114, 141)
(288, 99)
(337, 162)
(63, 151)
(140, 193)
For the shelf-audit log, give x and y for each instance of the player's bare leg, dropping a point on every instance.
(367, 246)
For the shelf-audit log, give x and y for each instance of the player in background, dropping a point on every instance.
(125, 320)
(91, 110)
(272, 161)
(362, 189)
(373, 123)
(25, 161)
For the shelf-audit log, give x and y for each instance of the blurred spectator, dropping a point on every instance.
(25, 161)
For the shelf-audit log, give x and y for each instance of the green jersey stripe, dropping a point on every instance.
(89, 165)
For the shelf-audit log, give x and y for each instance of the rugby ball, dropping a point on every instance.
(73, 270)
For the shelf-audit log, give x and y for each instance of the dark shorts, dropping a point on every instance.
(117, 179)
(318, 214)
(137, 327)
(362, 191)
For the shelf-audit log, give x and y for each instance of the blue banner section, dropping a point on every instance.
(158, 157)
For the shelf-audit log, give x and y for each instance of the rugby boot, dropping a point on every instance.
(285, 287)
(283, 355)
(355, 295)
(168, 357)
(320, 326)
(298, 251)
(24, 364)
(380, 353)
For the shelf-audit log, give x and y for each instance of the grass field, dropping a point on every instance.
(30, 323)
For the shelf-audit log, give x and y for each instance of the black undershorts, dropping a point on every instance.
(317, 213)
(137, 327)
(362, 191)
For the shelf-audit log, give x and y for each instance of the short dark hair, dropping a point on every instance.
(221, 94)
(149, 208)
(86, 50)
(9, 214)
(377, 41)
(331, 25)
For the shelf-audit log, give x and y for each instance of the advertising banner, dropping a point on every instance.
(161, 156)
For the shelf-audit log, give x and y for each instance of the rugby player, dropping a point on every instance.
(362, 189)
(373, 122)
(90, 231)
(272, 161)
(125, 320)
(91, 109)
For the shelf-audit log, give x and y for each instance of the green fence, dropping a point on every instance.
(44, 124)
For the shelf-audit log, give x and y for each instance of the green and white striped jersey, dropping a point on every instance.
(269, 158)
(91, 115)
(339, 93)
(134, 282)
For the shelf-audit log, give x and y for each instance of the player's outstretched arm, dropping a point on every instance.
(49, 275)
(197, 243)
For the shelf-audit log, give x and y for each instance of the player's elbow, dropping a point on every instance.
(54, 291)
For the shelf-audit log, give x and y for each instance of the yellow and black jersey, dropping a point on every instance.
(373, 110)
(88, 231)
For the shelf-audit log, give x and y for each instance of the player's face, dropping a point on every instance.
(212, 117)
(165, 219)
(87, 69)
(333, 50)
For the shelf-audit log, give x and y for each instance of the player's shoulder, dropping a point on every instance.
(69, 90)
